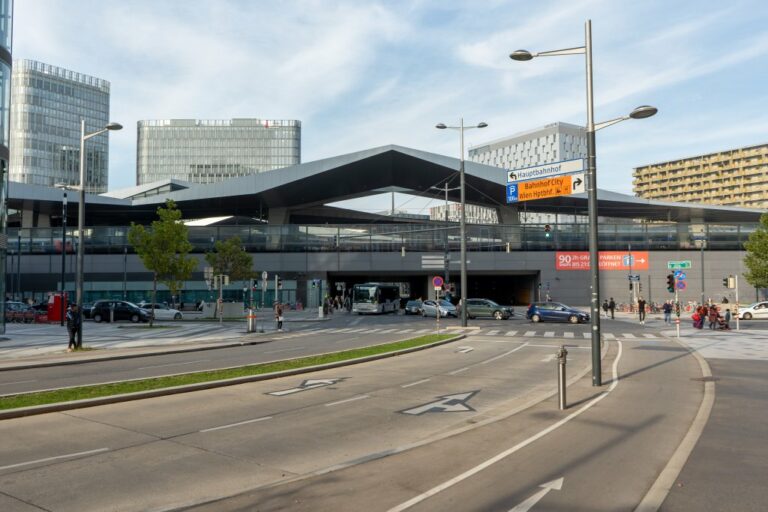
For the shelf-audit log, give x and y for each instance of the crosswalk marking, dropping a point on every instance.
(492, 333)
(549, 334)
(628, 335)
(530, 333)
(510, 333)
(422, 330)
(609, 336)
(649, 335)
(385, 331)
(587, 335)
(569, 335)
(479, 332)
(403, 331)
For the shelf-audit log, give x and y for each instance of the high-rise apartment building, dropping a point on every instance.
(47, 104)
(552, 143)
(735, 177)
(208, 151)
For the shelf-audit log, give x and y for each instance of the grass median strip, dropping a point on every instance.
(119, 388)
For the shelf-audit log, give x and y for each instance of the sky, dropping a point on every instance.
(361, 74)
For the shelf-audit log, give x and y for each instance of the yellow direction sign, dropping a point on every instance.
(550, 187)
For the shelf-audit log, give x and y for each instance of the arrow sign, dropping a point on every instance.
(306, 386)
(530, 502)
(448, 403)
(577, 184)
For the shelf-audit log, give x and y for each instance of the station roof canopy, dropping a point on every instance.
(302, 193)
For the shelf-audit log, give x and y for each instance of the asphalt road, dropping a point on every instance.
(303, 339)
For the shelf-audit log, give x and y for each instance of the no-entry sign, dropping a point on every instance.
(437, 282)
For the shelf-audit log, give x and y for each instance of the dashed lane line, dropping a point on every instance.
(239, 423)
(422, 381)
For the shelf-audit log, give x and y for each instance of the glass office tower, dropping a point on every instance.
(6, 62)
(208, 151)
(47, 105)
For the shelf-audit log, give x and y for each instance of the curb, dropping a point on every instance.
(92, 402)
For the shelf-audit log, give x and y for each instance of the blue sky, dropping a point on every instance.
(362, 74)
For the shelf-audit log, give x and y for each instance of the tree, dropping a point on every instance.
(756, 259)
(164, 249)
(229, 258)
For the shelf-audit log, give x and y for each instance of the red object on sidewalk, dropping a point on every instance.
(54, 307)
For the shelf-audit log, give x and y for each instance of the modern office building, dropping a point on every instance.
(209, 151)
(551, 143)
(47, 104)
(6, 64)
(734, 177)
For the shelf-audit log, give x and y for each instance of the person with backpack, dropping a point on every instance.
(612, 307)
(279, 316)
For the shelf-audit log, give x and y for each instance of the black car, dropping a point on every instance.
(123, 310)
(487, 308)
(413, 307)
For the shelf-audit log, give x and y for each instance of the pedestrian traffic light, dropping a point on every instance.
(725, 282)
(639, 287)
(279, 284)
(671, 283)
(314, 284)
(547, 231)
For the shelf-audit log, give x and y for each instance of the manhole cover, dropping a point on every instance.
(706, 379)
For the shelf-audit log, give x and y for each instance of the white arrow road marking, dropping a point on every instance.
(530, 502)
(447, 403)
(305, 386)
(465, 350)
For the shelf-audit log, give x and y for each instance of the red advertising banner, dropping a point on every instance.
(609, 260)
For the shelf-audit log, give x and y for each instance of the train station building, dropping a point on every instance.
(287, 222)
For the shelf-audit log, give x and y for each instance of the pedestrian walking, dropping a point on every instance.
(667, 308)
(727, 320)
(74, 325)
(712, 317)
(612, 307)
(641, 309)
(279, 316)
(605, 307)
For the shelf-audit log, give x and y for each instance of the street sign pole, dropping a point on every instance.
(737, 302)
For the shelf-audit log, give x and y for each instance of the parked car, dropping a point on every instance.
(87, 307)
(124, 310)
(19, 312)
(555, 312)
(431, 307)
(488, 308)
(413, 307)
(756, 310)
(162, 311)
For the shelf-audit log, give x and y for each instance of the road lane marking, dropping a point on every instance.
(284, 350)
(173, 364)
(403, 331)
(239, 423)
(387, 331)
(549, 334)
(18, 382)
(501, 456)
(510, 333)
(548, 358)
(609, 336)
(569, 335)
(528, 504)
(49, 459)
(492, 333)
(454, 372)
(586, 335)
(628, 336)
(649, 335)
(530, 333)
(422, 330)
(359, 397)
(504, 354)
(465, 350)
(422, 381)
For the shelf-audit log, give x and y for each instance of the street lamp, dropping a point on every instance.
(81, 218)
(64, 188)
(447, 254)
(639, 113)
(463, 223)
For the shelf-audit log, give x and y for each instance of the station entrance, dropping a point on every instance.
(504, 288)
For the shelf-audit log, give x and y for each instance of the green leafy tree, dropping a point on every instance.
(756, 259)
(164, 249)
(229, 258)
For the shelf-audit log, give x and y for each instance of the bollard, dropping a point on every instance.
(251, 321)
(561, 358)
(111, 315)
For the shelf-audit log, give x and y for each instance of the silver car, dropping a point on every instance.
(431, 307)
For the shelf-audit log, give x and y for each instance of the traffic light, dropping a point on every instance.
(547, 231)
(314, 284)
(725, 282)
(639, 287)
(279, 283)
(671, 283)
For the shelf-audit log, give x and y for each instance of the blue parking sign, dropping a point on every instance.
(512, 192)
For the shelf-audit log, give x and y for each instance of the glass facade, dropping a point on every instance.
(209, 151)
(47, 104)
(6, 32)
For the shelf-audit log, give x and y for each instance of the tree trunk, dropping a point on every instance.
(154, 299)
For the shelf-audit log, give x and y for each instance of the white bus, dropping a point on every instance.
(375, 298)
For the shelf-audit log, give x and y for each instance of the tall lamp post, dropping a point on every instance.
(64, 188)
(81, 218)
(463, 223)
(447, 249)
(639, 113)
